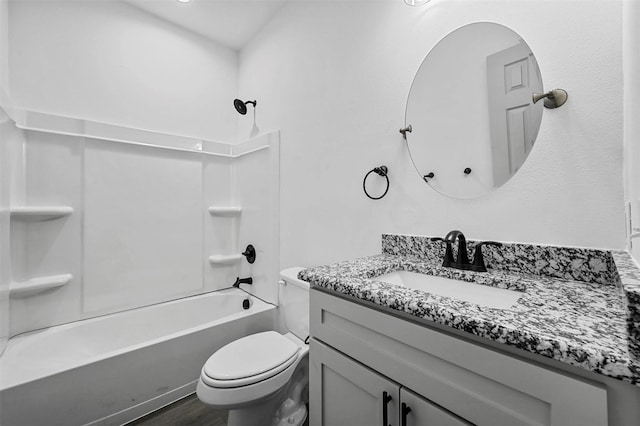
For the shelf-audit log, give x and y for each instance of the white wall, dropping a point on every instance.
(5, 271)
(4, 45)
(107, 61)
(334, 77)
(45, 170)
(631, 45)
(256, 188)
(143, 225)
(5, 274)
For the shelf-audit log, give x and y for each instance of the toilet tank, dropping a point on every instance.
(293, 297)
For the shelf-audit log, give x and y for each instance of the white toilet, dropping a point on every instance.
(262, 379)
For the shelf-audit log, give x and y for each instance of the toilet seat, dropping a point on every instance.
(269, 383)
(249, 360)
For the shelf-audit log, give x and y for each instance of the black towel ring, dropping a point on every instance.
(381, 171)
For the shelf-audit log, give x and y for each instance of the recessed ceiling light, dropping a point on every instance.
(416, 2)
(184, 1)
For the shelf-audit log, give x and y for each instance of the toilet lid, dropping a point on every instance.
(250, 356)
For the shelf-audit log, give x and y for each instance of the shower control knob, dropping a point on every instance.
(250, 253)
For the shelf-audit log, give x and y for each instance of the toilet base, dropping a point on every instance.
(277, 411)
(286, 407)
(254, 415)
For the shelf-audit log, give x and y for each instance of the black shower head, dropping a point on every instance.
(241, 106)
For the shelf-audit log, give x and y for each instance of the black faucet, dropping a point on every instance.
(462, 261)
(242, 281)
(463, 258)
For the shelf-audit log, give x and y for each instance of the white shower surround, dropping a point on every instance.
(115, 368)
(138, 229)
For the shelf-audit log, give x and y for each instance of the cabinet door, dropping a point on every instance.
(343, 392)
(417, 411)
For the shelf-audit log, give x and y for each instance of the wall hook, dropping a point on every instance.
(428, 176)
(467, 171)
(405, 130)
(553, 99)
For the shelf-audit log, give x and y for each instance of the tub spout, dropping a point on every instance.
(239, 281)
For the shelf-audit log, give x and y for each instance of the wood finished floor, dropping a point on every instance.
(188, 411)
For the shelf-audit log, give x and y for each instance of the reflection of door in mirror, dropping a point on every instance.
(511, 79)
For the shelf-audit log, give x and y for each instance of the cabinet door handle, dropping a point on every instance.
(405, 410)
(386, 398)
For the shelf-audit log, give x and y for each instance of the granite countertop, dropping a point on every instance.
(578, 306)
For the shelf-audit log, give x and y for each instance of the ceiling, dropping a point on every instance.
(231, 23)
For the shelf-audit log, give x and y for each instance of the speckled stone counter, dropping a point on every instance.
(578, 306)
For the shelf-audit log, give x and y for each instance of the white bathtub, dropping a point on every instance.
(115, 368)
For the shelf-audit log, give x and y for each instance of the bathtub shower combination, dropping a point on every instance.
(115, 368)
(122, 251)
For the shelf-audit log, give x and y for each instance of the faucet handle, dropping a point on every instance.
(478, 261)
(448, 254)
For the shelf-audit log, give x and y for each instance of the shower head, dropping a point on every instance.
(241, 106)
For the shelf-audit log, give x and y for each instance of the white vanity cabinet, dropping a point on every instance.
(357, 353)
(348, 393)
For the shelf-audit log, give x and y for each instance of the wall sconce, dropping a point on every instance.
(416, 2)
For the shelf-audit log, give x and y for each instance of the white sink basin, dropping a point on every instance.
(479, 294)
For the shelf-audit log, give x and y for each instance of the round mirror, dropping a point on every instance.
(471, 111)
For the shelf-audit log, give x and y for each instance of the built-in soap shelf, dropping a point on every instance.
(41, 213)
(38, 285)
(224, 259)
(225, 210)
(227, 259)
